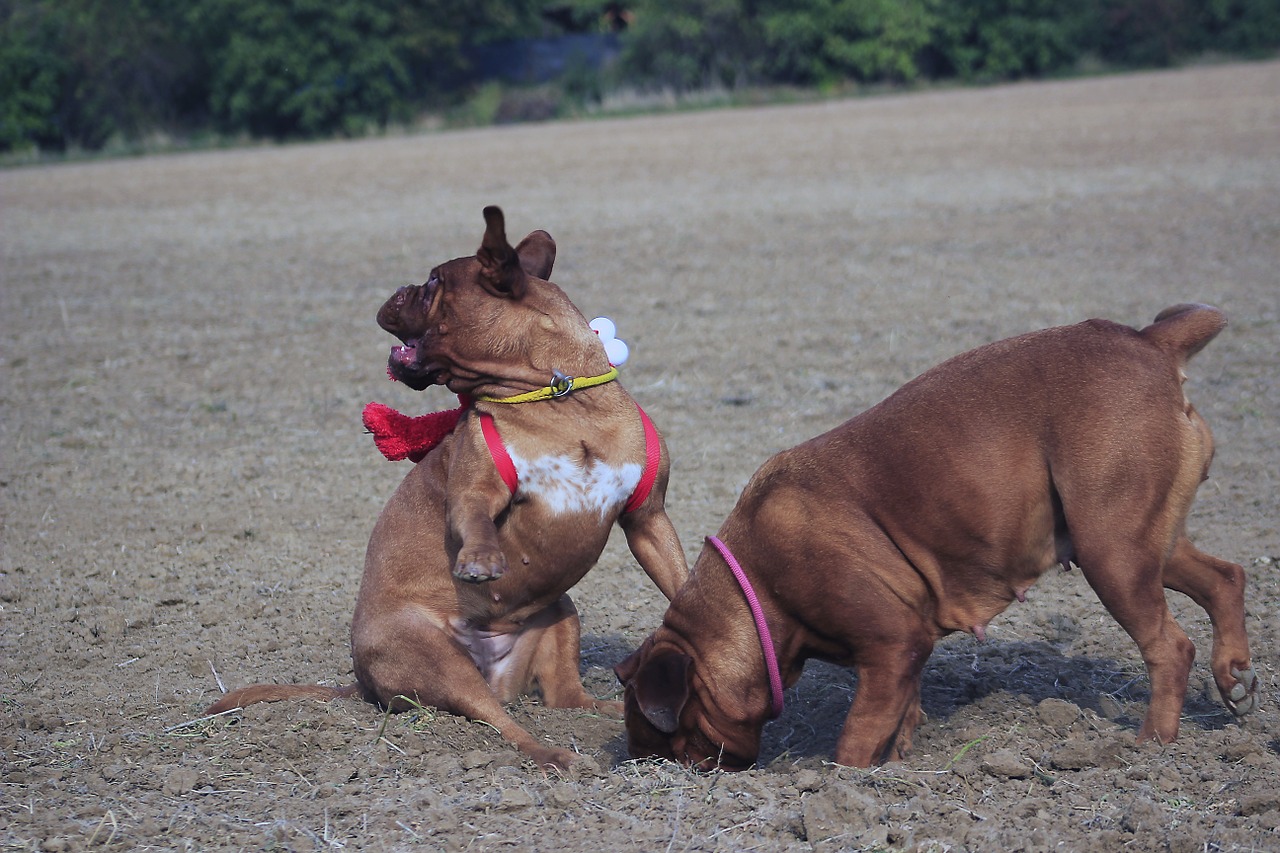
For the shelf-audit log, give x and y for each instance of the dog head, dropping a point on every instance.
(667, 716)
(489, 319)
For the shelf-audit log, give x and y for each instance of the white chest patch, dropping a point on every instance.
(566, 486)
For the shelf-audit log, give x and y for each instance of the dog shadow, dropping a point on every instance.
(963, 676)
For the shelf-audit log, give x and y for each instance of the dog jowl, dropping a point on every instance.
(463, 604)
(932, 511)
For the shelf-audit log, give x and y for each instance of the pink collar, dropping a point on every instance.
(762, 627)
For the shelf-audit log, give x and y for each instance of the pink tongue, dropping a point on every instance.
(402, 355)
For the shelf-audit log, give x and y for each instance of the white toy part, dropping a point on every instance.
(614, 347)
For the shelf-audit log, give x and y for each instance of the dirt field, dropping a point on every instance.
(188, 341)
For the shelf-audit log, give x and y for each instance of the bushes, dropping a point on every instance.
(77, 73)
(1243, 27)
(691, 44)
(865, 40)
(685, 44)
(74, 73)
(1009, 39)
(31, 80)
(302, 68)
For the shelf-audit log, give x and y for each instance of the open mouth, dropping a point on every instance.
(404, 315)
(405, 355)
(404, 365)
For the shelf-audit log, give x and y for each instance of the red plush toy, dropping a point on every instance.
(399, 436)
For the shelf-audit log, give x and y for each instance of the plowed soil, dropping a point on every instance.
(186, 491)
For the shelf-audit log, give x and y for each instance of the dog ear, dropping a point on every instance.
(537, 254)
(661, 688)
(500, 271)
(626, 670)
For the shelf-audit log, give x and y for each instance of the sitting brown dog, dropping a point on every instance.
(929, 513)
(463, 602)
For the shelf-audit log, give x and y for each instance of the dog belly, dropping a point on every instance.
(495, 654)
(971, 595)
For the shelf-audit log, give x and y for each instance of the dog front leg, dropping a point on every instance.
(654, 543)
(555, 657)
(473, 504)
(886, 708)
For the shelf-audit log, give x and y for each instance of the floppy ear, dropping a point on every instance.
(660, 686)
(537, 253)
(500, 270)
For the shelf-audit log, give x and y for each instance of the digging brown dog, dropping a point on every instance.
(463, 602)
(929, 513)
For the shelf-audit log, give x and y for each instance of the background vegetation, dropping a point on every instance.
(80, 74)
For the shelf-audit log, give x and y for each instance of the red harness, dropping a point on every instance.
(399, 436)
(507, 469)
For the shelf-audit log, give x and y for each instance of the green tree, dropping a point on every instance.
(300, 67)
(77, 72)
(690, 44)
(1249, 27)
(822, 41)
(1004, 39)
(31, 75)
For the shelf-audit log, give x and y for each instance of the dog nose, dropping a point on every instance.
(404, 296)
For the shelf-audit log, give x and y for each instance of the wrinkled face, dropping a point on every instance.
(464, 317)
(414, 314)
(666, 715)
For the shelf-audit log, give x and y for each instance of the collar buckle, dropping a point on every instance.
(560, 385)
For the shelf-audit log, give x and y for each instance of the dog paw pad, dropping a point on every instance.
(1243, 696)
(478, 572)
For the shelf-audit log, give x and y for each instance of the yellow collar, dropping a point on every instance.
(560, 386)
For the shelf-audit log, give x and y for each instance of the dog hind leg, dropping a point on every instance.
(1218, 587)
(409, 659)
(553, 658)
(1128, 582)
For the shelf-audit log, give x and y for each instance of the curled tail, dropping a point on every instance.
(1183, 330)
(277, 692)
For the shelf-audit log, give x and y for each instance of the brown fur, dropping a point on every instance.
(463, 602)
(931, 512)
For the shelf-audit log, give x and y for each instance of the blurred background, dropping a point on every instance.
(82, 76)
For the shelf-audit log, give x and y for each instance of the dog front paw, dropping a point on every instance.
(608, 708)
(480, 567)
(553, 759)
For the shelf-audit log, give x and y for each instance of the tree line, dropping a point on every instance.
(76, 74)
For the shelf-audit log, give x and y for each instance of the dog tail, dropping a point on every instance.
(1183, 330)
(276, 692)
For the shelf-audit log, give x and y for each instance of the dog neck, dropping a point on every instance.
(762, 626)
(560, 386)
